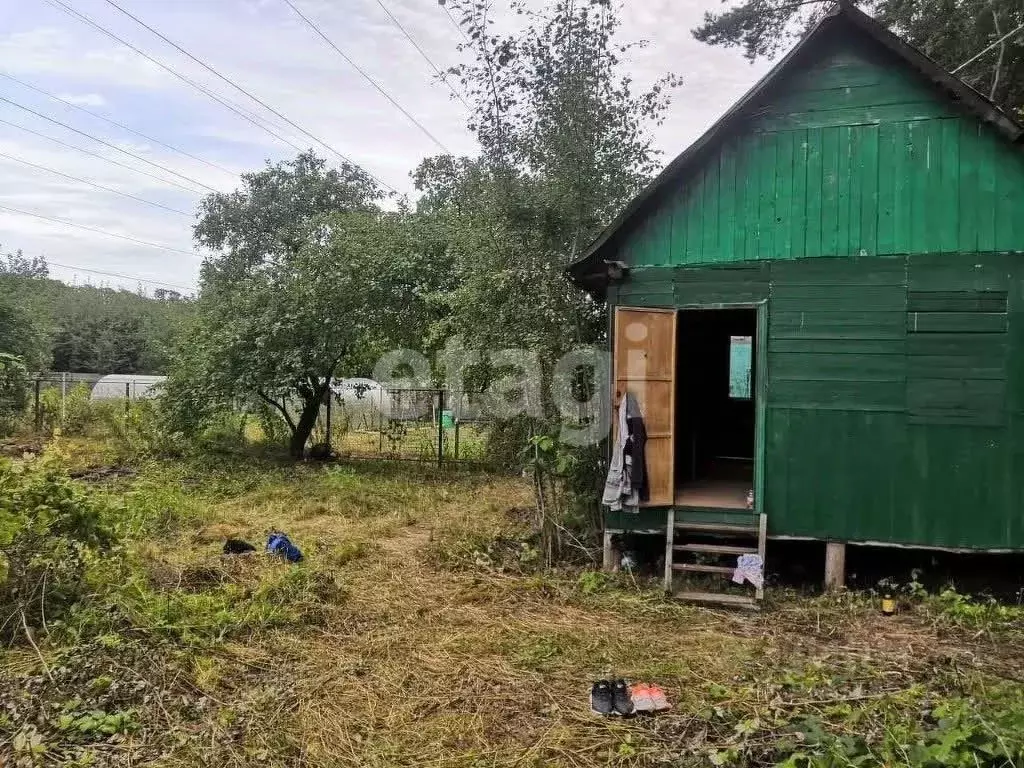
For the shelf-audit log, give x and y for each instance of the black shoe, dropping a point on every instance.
(237, 547)
(601, 698)
(622, 702)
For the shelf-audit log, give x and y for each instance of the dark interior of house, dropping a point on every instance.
(715, 390)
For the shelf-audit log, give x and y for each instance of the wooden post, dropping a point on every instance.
(608, 553)
(670, 538)
(835, 564)
(440, 427)
(127, 398)
(762, 541)
(63, 398)
(380, 421)
(39, 406)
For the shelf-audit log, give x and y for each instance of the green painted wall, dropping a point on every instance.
(885, 229)
(852, 155)
(895, 394)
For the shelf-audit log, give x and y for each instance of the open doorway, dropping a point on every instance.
(715, 407)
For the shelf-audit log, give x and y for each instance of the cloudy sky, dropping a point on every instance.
(185, 144)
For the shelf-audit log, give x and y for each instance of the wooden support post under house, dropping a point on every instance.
(835, 564)
(609, 554)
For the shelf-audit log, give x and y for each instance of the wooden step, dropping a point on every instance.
(698, 568)
(744, 530)
(723, 598)
(718, 549)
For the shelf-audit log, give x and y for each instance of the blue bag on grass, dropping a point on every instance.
(279, 544)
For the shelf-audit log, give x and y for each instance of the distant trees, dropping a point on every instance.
(21, 332)
(20, 265)
(83, 329)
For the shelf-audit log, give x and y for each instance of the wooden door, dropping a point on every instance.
(644, 354)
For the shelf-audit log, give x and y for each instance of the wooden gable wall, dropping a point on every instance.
(854, 154)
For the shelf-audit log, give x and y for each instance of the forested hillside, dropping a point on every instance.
(84, 328)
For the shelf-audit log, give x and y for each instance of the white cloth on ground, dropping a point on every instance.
(749, 568)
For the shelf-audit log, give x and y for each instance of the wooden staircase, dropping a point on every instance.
(744, 533)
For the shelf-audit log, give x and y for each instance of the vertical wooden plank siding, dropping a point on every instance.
(749, 224)
(856, 163)
(893, 398)
(813, 215)
(783, 241)
(843, 158)
(907, 184)
(868, 168)
(949, 213)
(887, 187)
(798, 207)
(884, 228)
(727, 199)
(829, 190)
(875, 164)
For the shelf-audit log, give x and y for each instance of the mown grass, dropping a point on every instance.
(418, 632)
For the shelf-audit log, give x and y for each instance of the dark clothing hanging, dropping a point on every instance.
(636, 447)
(626, 484)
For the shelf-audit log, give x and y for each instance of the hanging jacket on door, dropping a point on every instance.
(636, 445)
(626, 484)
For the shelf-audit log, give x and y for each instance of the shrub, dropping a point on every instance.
(49, 531)
(505, 442)
(273, 428)
(13, 391)
(71, 413)
(225, 432)
(141, 432)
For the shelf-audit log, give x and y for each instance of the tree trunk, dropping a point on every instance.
(304, 426)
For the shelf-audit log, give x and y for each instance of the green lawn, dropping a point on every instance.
(418, 634)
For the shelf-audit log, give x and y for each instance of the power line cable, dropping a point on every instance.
(224, 102)
(107, 144)
(98, 156)
(989, 48)
(122, 126)
(94, 184)
(423, 53)
(121, 275)
(456, 24)
(239, 88)
(362, 72)
(97, 231)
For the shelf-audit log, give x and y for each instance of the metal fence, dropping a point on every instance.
(357, 419)
(60, 397)
(421, 424)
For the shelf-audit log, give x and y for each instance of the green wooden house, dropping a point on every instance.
(820, 305)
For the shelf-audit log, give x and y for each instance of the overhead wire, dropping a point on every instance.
(456, 24)
(223, 101)
(369, 79)
(441, 76)
(988, 48)
(312, 25)
(67, 223)
(120, 274)
(98, 156)
(122, 126)
(106, 143)
(239, 88)
(94, 184)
